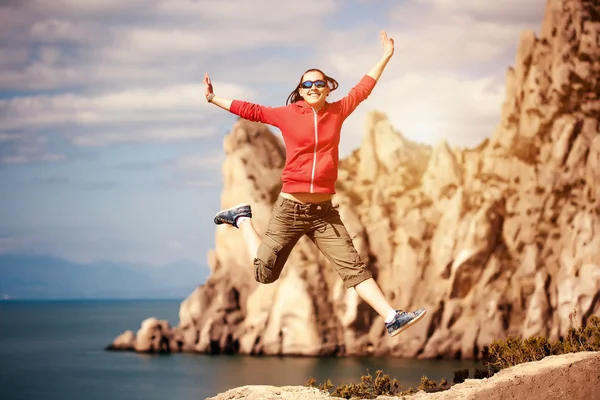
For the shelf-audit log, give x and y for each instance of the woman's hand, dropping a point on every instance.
(388, 45)
(225, 104)
(208, 88)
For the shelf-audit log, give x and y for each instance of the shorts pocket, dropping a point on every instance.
(268, 252)
(353, 256)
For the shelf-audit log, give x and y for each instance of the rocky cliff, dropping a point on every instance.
(496, 240)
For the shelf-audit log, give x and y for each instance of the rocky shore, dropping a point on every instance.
(574, 376)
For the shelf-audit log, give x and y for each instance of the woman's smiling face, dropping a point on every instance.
(316, 94)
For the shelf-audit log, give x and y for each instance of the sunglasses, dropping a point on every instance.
(308, 84)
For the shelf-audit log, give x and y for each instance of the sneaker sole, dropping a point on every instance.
(231, 208)
(408, 325)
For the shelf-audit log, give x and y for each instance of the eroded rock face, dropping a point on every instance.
(501, 239)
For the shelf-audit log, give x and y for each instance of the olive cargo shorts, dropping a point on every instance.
(322, 224)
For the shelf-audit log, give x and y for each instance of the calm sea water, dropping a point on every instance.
(55, 350)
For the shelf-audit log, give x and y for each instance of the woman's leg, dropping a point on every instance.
(251, 237)
(269, 253)
(332, 238)
(369, 291)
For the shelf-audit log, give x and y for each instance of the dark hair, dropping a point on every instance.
(295, 96)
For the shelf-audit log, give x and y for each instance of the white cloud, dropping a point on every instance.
(447, 54)
(173, 103)
(34, 158)
(446, 79)
(463, 34)
(57, 30)
(123, 71)
(87, 8)
(140, 134)
(8, 137)
(248, 12)
(428, 107)
(12, 57)
(27, 148)
(472, 37)
(166, 114)
(150, 41)
(508, 10)
(259, 12)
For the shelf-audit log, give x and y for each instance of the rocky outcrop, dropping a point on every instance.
(496, 240)
(572, 376)
(154, 336)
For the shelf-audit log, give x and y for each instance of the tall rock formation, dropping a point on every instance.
(496, 240)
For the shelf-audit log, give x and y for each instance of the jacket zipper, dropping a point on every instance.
(312, 178)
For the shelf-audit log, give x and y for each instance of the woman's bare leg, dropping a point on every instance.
(251, 237)
(370, 292)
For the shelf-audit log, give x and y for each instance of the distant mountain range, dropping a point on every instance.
(25, 276)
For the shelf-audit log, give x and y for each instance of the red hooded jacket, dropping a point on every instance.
(311, 138)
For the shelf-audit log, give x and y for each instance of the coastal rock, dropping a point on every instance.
(574, 376)
(260, 392)
(154, 336)
(125, 341)
(502, 239)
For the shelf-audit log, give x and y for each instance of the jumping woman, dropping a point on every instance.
(311, 131)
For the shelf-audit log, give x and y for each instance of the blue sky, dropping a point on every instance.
(109, 151)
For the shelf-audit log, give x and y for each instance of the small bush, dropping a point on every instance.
(513, 351)
(460, 375)
(584, 338)
(323, 386)
(384, 385)
(381, 385)
(481, 373)
(427, 384)
(350, 390)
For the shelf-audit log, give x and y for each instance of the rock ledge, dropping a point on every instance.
(573, 376)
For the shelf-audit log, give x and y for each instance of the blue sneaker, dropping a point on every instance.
(403, 320)
(230, 215)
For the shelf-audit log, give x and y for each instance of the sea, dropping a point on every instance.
(55, 350)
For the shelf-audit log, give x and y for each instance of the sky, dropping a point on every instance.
(108, 150)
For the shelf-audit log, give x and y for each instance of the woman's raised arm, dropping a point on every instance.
(388, 52)
(244, 109)
(362, 90)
